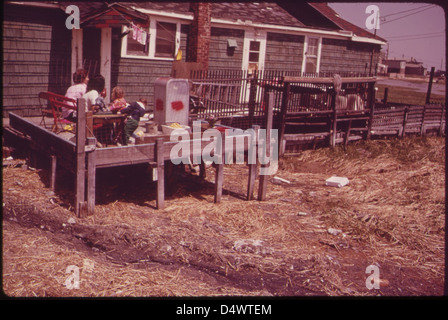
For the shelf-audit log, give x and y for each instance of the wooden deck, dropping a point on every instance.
(83, 158)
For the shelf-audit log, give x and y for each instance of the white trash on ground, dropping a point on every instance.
(336, 181)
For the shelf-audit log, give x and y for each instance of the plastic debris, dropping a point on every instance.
(336, 181)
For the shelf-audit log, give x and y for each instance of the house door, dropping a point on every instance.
(92, 50)
(254, 52)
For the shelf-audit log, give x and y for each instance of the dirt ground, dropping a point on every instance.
(306, 239)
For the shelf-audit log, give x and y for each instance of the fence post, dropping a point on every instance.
(428, 93)
(386, 93)
(252, 96)
(405, 118)
(283, 111)
(441, 120)
(371, 101)
(334, 123)
(252, 162)
(269, 105)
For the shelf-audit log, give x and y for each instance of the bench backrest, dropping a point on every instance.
(58, 101)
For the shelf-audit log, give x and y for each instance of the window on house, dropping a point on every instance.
(135, 48)
(312, 55)
(165, 40)
(162, 40)
(254, 55)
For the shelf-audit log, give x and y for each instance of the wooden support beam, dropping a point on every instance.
(53, 173)
(91, 177)
(347, 133)
(160, 202)
(334, 123)
(263, 182)
(80, 205)
(252, 162)
(219, 179)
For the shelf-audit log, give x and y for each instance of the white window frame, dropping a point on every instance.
(152, 41)
(305, 49)
(251, 35)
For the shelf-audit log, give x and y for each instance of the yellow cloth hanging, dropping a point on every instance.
(179, 55)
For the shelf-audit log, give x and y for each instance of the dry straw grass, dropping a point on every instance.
(391, 214)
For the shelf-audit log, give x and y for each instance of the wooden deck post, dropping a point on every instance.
(371, 102)
(219, 179)
(160, 174)
(334, 124)
(80, 204)
(53, 173)
(252, 162)
(269, 103)
(91, 177)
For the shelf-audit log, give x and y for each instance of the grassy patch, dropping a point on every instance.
(405, 95)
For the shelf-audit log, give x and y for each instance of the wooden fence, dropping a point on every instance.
(309, 108)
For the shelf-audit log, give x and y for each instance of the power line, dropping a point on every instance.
(393, 14)
(415, 35)
(416, 38)
(408, 15)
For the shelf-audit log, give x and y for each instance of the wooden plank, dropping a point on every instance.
(159, 146)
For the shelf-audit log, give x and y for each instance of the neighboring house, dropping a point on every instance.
(40, 53)
(403, 67)
(395, 66)
(414, 68)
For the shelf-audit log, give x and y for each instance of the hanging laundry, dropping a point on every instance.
(139, 35)
(143, 38)
(134, 31)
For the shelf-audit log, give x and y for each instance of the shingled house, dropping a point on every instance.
(133, 43)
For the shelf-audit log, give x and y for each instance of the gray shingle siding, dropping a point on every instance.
(284, 52)
(220, 56)
(34, 40)
(346, 56)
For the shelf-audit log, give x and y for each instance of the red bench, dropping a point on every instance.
(51, 105)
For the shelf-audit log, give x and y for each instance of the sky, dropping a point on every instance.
(412, 29)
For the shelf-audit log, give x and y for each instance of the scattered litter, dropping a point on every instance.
(71, 221)
(302, 213)
(252, 246)
(336, 181)
(277, 180)
(333, 231)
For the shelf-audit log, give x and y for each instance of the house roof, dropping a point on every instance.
(285, 13)
(333, 16)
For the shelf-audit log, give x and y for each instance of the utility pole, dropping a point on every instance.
(377, 21)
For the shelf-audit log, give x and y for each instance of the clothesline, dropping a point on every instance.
(138, 33)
